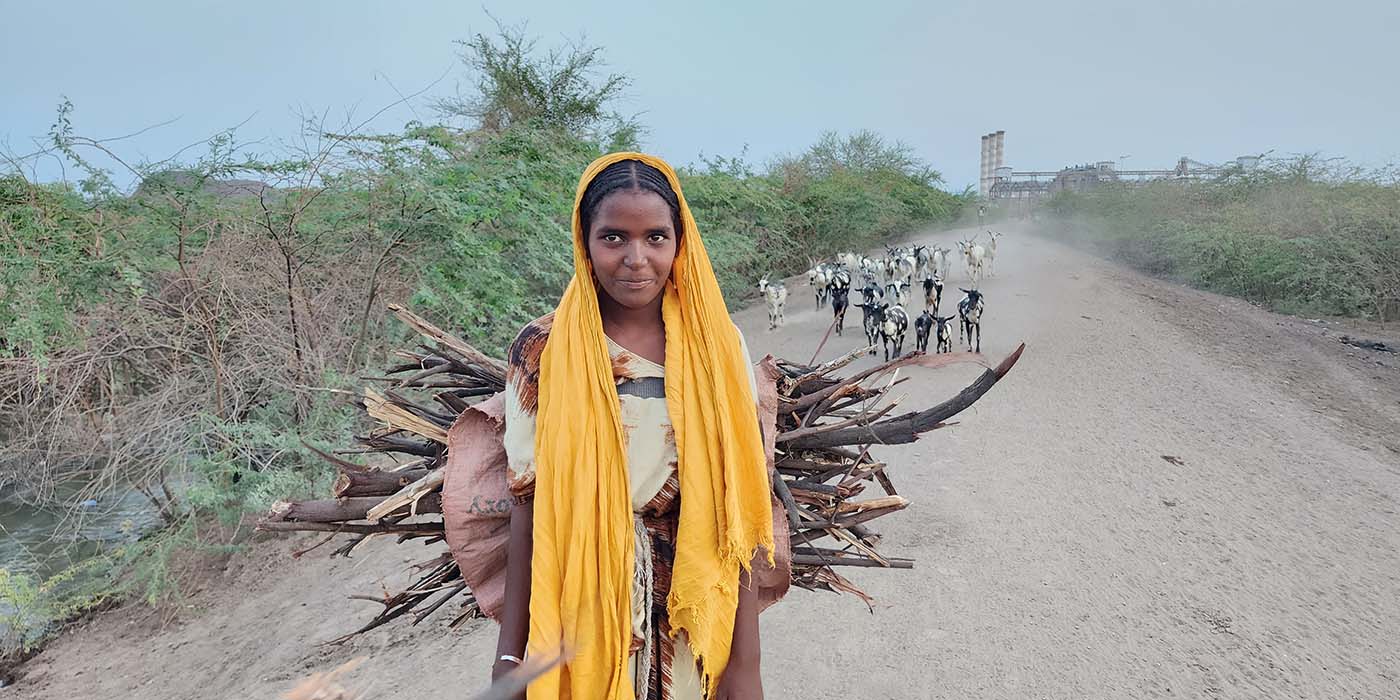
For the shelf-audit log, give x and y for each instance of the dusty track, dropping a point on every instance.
(1059, 554)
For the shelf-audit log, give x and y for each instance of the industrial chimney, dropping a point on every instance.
(992, 147)
(984, 181)
(998, 148)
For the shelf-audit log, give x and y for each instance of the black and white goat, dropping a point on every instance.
(819, 276)
(872, 315)
(871, 294)
(943, 331)
(933, 291)
(932, 324)
(923, 257)
(897, 293)
(775, 296)
(839, 277)
(868, 277)
(970, 317)
(892, 329)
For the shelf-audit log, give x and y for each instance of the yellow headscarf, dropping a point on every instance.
(581, 572)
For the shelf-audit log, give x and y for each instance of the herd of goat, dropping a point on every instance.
(884, 293)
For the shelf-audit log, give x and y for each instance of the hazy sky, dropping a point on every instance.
(1069, 81)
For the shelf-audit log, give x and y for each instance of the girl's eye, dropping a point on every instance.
(658, 237)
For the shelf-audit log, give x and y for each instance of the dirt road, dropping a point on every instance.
(1059, 553)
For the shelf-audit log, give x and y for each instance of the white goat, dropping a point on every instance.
(991, 251)
(905, 266)
(775, 295)
(974, 256)
(942, 262)
(819, 276)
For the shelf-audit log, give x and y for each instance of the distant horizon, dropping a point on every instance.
(1087, 82)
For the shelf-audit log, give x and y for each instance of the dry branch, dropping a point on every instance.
(826, 426)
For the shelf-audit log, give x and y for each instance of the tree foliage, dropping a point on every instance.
(561, 88)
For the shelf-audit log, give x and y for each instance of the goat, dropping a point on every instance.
(887, 268)
(840, 284)
(775, 294)
(970, 315)
(923, 257)
(905, 267)
(974, 256)
(821, 277)
(872, 315)
(868, 266)
(871, 294)
(922, 325)
(892, 329)
(840, 277)
(992, 237)
(815, 279)
(848, 260)
(933, 291)
(943, 333)
(897, 293)
(840, 298)
(942, 262)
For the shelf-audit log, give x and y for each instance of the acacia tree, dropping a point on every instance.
(562, 88)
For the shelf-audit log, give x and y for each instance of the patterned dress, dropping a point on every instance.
(661, 667)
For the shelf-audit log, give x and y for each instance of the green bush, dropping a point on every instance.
(1291, 239)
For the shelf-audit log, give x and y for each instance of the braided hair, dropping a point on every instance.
(628, 176)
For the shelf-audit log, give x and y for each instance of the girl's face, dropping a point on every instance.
(632, 242)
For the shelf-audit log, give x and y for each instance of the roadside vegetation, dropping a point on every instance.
(1300, 236)
(186, 342)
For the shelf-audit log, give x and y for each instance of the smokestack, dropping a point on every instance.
(982, 183)
(998, 147)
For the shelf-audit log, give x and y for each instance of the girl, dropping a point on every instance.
(636, 462)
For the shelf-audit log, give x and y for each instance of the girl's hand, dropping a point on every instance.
(741, 681)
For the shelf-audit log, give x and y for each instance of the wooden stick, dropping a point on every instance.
(872, 504)
(393, 415)
(408, 495)
(831, 366)
(393, 443)
(852, 519)
(814, 560)
(342, 509)
(790, 505)
(927, 361)
(428, 330)
(863, 419)
(354, 528)
(906, 428)
(373, 481)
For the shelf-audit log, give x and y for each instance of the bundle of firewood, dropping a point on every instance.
(825, 473)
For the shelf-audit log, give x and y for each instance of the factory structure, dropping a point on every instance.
(999, 181)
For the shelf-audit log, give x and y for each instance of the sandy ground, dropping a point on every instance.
(1059, 554)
